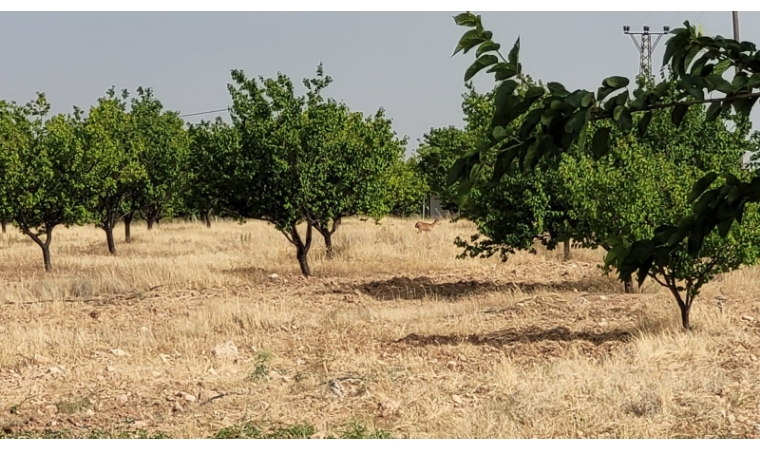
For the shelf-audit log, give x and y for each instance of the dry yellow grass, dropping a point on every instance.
(437, 347)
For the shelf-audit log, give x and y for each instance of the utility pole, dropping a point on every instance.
(646, 48)
(735, 16)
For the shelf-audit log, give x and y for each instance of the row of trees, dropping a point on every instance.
(285, 158)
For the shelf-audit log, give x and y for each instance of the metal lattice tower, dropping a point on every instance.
(645, 48)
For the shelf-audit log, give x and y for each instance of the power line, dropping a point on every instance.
(204, 112)
(645, 19)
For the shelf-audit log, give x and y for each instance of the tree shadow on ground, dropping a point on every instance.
(405, 288)
(531, 334)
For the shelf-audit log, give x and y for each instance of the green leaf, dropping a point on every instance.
(600, 143)
(713, 112)
(514, 54)
(469, 40)
(722, 67)
(479, 64)
(535, 92)
(457, 170)
(625, 120)
(487, 46)
(701, 185)
(587, 100)
(644, 270)
(644, 122)
(679, 112)
(503, 71)
(615, 83)
(466, 19)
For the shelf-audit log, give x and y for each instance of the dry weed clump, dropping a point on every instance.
(193, 332)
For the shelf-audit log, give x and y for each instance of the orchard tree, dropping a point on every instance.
(110, 131)
(559, 123)
(45, 169)
(407, 189)
(439, 149)
(266, 180)
(303, 159)
(162, 154)
(512, 213)
(346, 158)
(211, 144)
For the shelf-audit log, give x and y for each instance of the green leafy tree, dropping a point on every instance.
(302, 159)
(438, 151)
(346, 158)
(45, 170)
(213, 148)
(511, 214)
(163, 151)
(559, 123)
(266, 181)
(407, 189)
(110, 130)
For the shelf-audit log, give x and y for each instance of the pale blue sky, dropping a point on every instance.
(400, 60)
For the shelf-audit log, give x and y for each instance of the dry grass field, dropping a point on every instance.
(422, 345)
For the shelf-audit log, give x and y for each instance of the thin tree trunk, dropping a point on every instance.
(567, 249)
(327, 235)
(45, 246)
(4, 224)
(206, 217)
(153, 217)
(109, 240)
(302, 248)
(685, 311)
(127, 227)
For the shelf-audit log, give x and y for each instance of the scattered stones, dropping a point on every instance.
(111, 369)
(177, 407)
(211, 371)
(123, 398)
(55, 371)
(188, 397)
(227, 350)
(273, 276)
(118, 352)
(457, 399)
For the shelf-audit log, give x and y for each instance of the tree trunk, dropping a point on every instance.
(46, 256)
(127, 227)
(567, 249)
(206, 217)
(685, 310)
(109, 240)
(302, 248)
(628, 283)
(4, 225)
(153, 216)
(45, 246)
(328, 245)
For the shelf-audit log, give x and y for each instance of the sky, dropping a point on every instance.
(400, 61)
